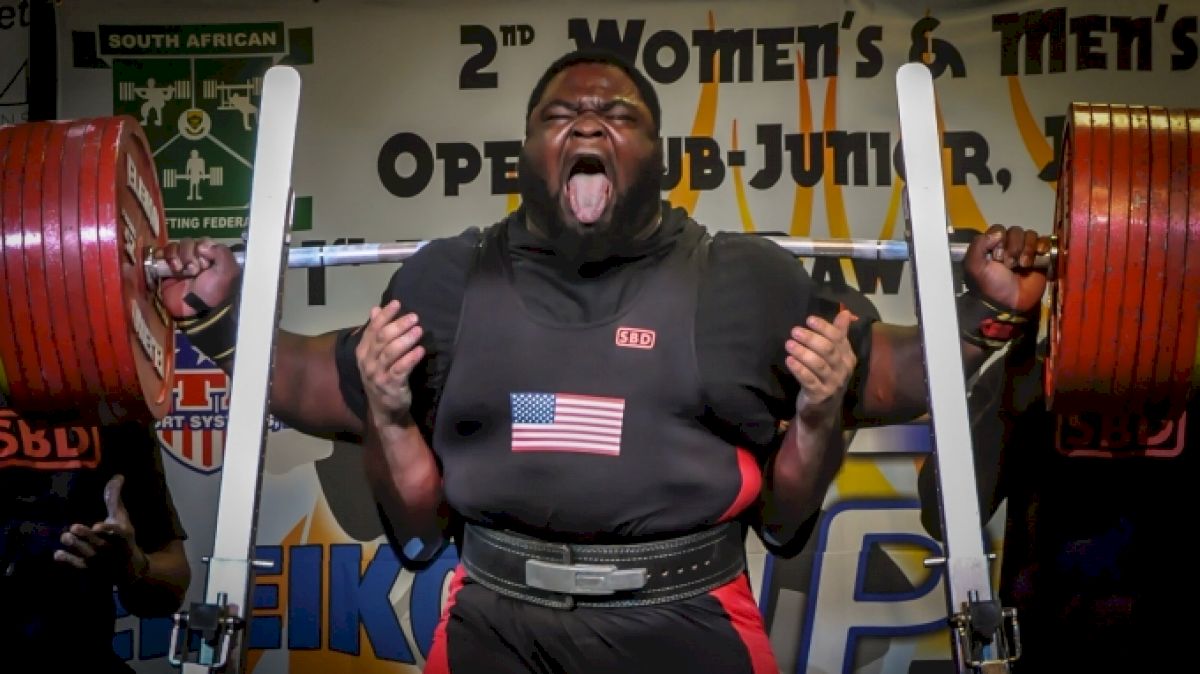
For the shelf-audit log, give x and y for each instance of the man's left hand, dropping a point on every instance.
(108, 546)
(820, 357)
(999, 267)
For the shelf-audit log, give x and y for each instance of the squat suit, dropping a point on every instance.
(679, 426)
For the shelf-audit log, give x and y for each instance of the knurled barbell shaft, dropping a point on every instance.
(381, 253)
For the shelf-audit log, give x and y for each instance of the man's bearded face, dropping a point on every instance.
(590, 170)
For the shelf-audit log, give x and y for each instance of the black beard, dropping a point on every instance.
(633, 212)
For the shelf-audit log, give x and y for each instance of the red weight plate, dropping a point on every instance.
(35, 269)
(1177, 235)
(56, 289)
(1134, 269)
(98, 296)
(16, 282)
(1073, 209)
(110, 248)
(1189, 320)
(146, 288)
(1158, 219)
(16, 388)
(78, 301)
(1107, 295)
(130, 197)
(1095, 233)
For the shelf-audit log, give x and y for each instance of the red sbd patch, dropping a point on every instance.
(635, 338)
(1114, 436)
(23, 445)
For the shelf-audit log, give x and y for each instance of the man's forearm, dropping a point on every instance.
(895, 390)
(306, 386)
(159, 584)
(407, 484)
(800, 474)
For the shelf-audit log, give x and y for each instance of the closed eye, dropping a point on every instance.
(557, 111)
(620, 111)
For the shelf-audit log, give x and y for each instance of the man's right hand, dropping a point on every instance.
(208, 270)
(387, 353)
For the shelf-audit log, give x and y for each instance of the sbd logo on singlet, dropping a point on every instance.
(25, 445)
(635, 338)
(194, 430)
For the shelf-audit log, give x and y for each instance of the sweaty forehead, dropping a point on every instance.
(592, 80)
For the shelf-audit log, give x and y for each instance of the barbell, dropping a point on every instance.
(398, 251)
(83, 214)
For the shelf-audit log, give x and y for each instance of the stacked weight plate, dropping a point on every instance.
(81, 208)
(1123, 328)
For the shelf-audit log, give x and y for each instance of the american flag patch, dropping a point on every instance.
(564, 422)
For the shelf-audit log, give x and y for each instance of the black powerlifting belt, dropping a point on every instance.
(567, 575)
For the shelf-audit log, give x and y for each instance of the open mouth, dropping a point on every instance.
(588, 188)
(587, 164)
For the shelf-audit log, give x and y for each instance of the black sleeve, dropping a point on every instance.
(751, 295)
(431, 283)
(145, 494)
(754, 292)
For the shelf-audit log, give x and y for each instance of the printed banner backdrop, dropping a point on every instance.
(779, 117)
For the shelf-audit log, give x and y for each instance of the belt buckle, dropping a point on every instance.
(582, 579)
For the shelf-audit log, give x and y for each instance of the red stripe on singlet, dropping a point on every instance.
(751, 478)
(738, 601)
(439, 656)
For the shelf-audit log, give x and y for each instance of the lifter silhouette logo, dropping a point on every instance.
(196, 90)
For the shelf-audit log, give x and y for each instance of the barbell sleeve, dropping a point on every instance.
(382, 253)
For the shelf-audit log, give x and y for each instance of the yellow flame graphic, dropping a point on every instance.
(1036, 145)
(888, 230)
(835, 205)
(802, 199)
(513, 202)
(862, 477)
(961, 208)
(740, 190)
(682, 196)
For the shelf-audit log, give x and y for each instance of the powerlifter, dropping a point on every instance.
(595, 398)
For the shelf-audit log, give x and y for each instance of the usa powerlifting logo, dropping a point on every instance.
(193, 432)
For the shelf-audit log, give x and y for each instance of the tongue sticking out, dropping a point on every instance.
(588, 194)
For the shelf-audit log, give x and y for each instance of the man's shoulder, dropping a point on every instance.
(753, 244)
(443, 254)
(439, 266)
(448, 248)
(745, 255)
